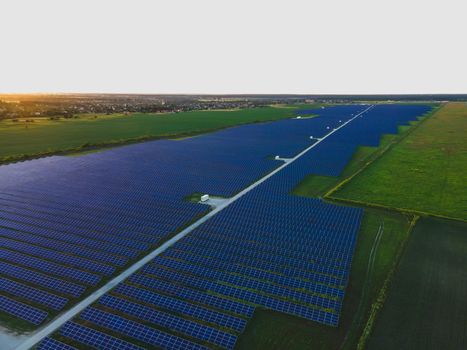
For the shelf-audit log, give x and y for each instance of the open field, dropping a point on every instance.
(317, 185)
(270, 330)
(44, 135)
(426, 171)
(426, 307)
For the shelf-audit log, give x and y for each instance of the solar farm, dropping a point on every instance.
(112, 237)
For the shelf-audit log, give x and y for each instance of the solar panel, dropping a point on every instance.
(23, 311)
(94, 338)
(168, 321)
(181, 307)
(49, 267)
(64, 247)
(322, 286)
(137, 330)
(193, 295)
(68, 228)
(57, 256)
(69, 237)
(42, 280)
(32, 294)
(257, 285)
(52, 344)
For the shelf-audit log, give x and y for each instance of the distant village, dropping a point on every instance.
(70, 106)
(57, 106)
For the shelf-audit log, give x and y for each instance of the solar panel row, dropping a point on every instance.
(32, 294)
(42, 280)
(169, 321)
(321, 286)
(250, 266)
(193, 295)
(65, 247)
(88, 217)
(49, 267)
(70, 238)
(178, 306)
(21, 310)
(56, 256)
(68, 227)
(52, 344)
(242, 281)
(94, 338)
(136, 330)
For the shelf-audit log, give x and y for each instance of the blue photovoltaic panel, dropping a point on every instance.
(52, 344)
(85, 241)
(223, 289)
(69, 238)
(181, 307)
(193, 295)
(93, 338)
(136, 330)
(23, 311)
(56, 256)
(96, 218)
(322, 286)
(258, 270)
(168, 321)
(67, 227)
(42, 280)
(63, 247)
(32, 294)
(49, 267)
(221, 277)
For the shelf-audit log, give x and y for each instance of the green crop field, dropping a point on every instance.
(19, 138)
(426, 171)
(317, 185)
(271, 330)
(427, 305)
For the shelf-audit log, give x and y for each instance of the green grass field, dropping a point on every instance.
(271, 330)
(317, 186)
(427, 306)
(426, 171)
(44, 135)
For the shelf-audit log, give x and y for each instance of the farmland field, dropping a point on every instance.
(426, 171)
(426, 307)
(43, 135)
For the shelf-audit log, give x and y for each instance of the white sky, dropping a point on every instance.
(235, 46)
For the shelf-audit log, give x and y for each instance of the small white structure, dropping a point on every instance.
(276, 157)
(204, 197)
(299, 117)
